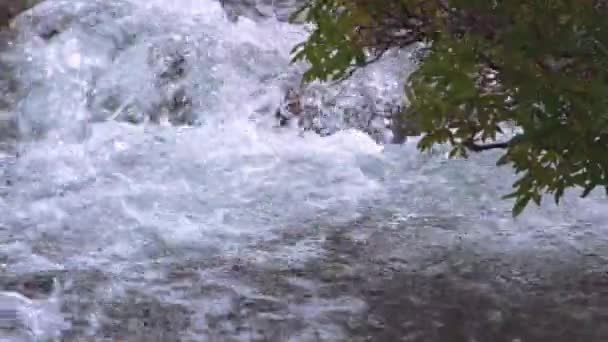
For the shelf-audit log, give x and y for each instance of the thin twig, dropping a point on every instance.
(471, 145)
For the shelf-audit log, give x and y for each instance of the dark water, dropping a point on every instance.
(352, 293)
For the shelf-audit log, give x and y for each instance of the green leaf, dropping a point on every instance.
(544, 74)
(520, 205)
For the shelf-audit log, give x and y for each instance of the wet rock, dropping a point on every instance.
(163, 96)
(167, 61)
(260, 9)
(402, 126)
(169, 64)
(9, 9)
(35, 285)
(29, 308)
(9, 85)
(291, 111)
(48, 20)
(335, 271)
(31, 80)
(104, 36)
(96, 34)
(261, 304)
(310, 110)
(371, 100)
(139, 317)
(8, 127)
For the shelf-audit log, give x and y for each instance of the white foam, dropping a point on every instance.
(127, 198)
(36, 319)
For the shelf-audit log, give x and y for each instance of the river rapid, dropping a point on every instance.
(146, 194)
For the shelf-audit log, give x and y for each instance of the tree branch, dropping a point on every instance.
(471, 145)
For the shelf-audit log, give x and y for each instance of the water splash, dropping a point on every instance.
(24, 319)
(211, 222)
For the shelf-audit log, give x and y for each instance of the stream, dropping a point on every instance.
(147, 194)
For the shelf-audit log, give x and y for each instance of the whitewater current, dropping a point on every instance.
(150, 196)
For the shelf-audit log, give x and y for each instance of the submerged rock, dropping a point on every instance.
(370, 101)
(166, 64)
(260, 9)
(52, 18)
(113, 66)
(301, 108)
(9, 9)
(89, 61)
(34, 285)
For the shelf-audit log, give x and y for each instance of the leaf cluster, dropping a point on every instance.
(539, 66)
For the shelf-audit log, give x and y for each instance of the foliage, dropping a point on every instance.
(538, 65)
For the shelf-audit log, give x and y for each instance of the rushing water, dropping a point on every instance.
(232, 229)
